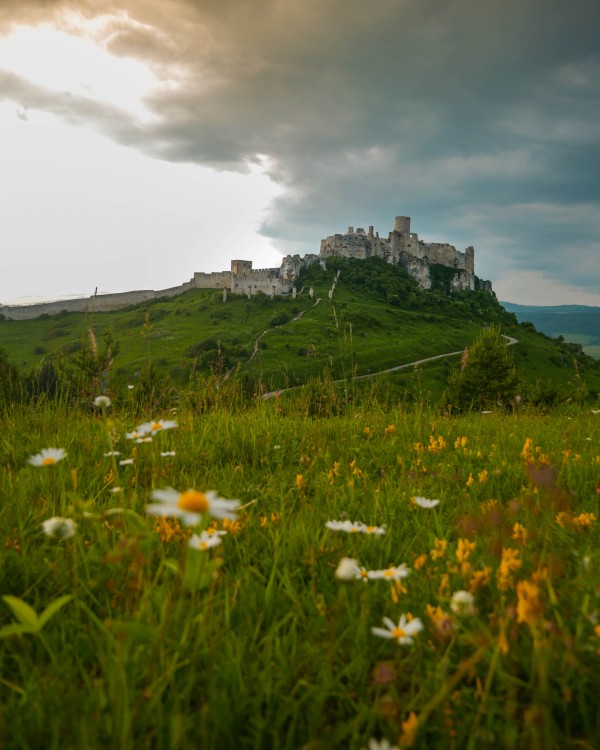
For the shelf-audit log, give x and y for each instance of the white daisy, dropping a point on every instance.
(347, 569)
(113, 453)
(204, 541)
(47, 457)
(167, 453)
(353, 527)
(156, 425)
(59, 528)
(116, 489)
(380, 745)
(424, 502)
(402, 632)
(190, 505)
(143, 439)
(126, 462)
(462, 603)
(134, 435)
(102, 401)
(377, 530)
(393, 573)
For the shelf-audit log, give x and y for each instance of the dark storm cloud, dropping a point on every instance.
(477, 119)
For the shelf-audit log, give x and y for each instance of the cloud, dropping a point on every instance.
(468, 116)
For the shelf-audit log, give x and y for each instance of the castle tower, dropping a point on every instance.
(241, 267)
(402, 224)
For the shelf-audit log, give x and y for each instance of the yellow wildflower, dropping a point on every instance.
(436, 444)
(233, 527)
(396, 589)
(509, 564)
(529, 605)
(439, 550)
(409, 730)
(464, 549)
(597, 630)
(470, 480)
(479, 579)
(420, 562)
(444, 584)
(170, 530)
(483, 475)
(527, 452)
(333, 472)
(367, 432)
(520, 534)
(460, 442)
(299, 481)
(390, 429)
(584, 520)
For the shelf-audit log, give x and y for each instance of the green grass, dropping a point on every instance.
(255, 644)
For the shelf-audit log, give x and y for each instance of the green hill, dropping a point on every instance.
(378, 318)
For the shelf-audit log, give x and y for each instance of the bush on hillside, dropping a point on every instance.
(487, 377)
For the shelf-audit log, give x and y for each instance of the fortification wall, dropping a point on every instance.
(355, 245)
(216, 280)
(97, 303)
(267, 280)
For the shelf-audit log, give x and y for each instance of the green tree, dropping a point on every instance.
(487, 377)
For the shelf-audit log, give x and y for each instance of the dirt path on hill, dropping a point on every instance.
(510, 339)
(296, 317)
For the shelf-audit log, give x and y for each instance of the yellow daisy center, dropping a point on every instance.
(364, 573)
(388, 573)
(398, 633)
(156, 426)
(194, 501)
(203, 545)
(48, 461)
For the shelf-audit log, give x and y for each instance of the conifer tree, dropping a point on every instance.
(487, 377)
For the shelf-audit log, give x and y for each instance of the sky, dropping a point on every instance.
(144, 140)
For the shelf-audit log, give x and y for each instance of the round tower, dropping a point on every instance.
(402, 224)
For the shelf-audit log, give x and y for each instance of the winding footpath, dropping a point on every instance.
(271, 394)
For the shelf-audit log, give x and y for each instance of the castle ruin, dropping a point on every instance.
(402, 247)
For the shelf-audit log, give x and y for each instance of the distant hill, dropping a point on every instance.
(578, 324)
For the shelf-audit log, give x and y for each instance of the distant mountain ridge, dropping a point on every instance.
(579, 324)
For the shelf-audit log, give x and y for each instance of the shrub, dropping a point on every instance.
(487, 377)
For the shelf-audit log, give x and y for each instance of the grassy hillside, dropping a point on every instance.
(577, 324)
(378, 318)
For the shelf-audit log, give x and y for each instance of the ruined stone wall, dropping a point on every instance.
(97, 303)
(217, 280)
(267, 280)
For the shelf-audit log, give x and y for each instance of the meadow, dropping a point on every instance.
(116, 631)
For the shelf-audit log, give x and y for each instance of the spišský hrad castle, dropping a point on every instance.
(402, 247)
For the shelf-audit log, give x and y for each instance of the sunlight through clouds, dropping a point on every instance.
(62, 62)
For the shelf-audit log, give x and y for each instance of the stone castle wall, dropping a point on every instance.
(95, 303)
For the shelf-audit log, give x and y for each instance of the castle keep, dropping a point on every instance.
(402, 247)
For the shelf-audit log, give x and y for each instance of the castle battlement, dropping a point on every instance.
(402, 247)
